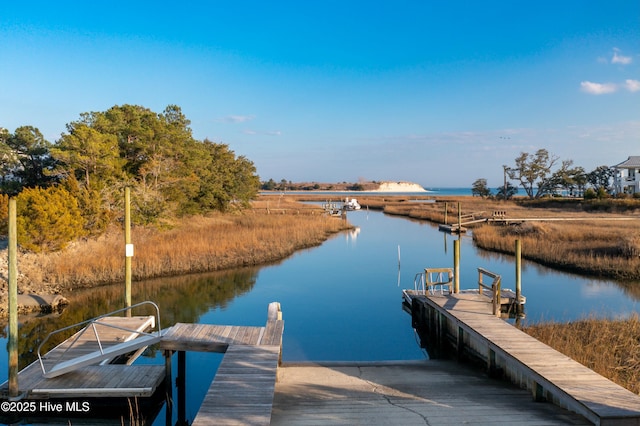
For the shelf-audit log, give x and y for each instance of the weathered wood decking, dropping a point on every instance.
(241, 392)
(242, 389)
(548, 374)
(91, 381)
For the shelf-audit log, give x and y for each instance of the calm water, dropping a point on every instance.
(341, 300)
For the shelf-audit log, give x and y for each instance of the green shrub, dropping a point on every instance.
(48, 219)
(590, 194)
(4, 214)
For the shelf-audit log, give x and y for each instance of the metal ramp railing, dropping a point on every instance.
(431, 278)
(65, 358)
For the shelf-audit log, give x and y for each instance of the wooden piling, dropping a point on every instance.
(456, 266)
(181, 385)
(128, 249)
(12, 345)
(518, 254)
(445, 212)
(168, 385)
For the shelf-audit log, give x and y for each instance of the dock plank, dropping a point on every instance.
(272, 333)
(208, 338)
(31, 378)
(242, 390)
(103, 381)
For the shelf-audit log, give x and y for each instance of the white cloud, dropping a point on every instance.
(598, 88)
(632, 85)
(236, 118)
(620, 59)
(270, 133)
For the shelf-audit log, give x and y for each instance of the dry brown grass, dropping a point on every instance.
(601, 248)
(608, 347)
(196, 244)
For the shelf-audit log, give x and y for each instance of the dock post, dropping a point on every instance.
(168, 385)
(128, 249)
(445, 213)
(518, 253)
(456, 266)
(181, 384)
(12, 345)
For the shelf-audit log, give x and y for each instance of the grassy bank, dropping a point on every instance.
(609, 347)
(195, 244)
(607, 249)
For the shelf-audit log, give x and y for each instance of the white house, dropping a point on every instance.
(627, 176)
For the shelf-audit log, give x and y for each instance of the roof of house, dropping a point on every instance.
(632, 162)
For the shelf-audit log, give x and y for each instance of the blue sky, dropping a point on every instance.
(436, 92)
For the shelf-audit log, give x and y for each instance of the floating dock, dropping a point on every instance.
(464, 324)
(92, 381)
(241, 392)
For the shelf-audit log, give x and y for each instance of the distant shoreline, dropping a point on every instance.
(429, 191)
(371, 186)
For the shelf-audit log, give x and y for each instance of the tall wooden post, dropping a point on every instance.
(128, 249)
(456, 266)
(518, 254)
(12, 345)
(181, 385)
(168, 386)
(445, 213)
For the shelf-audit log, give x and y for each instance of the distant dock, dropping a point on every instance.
(500, 218)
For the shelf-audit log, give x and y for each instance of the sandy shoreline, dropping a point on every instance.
(400, 187)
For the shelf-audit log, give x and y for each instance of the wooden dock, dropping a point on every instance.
(241, 392)
(464, 322)
(115, 380)
(243, 387)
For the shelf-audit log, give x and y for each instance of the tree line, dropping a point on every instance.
(536, 175)
(74, 187)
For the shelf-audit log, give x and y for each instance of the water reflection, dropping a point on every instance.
(181, 299)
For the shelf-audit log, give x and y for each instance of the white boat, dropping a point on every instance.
(351, 204)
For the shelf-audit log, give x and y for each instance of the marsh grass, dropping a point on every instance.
(196, 244)
(600, 248)
(608, 347)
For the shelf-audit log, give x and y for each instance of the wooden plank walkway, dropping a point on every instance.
(209, 338)
(532, 364)
(241, 392)
(93, 381)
